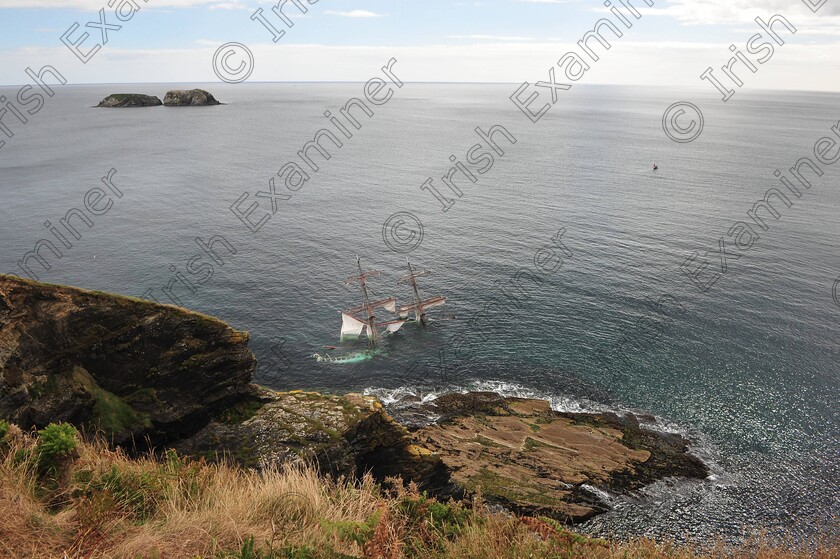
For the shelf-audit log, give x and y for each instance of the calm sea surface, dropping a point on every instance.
(747, 369)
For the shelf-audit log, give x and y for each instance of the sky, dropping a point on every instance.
(672, 43)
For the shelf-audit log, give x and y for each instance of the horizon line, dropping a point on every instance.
(420, 82)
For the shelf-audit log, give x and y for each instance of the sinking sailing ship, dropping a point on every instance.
(362, 320)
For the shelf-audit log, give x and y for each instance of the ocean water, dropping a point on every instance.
(747, 369)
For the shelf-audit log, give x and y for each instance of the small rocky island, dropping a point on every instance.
(174, 98)
(189, 98)
(144, 373)
(127, 100)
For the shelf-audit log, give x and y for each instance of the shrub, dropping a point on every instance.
(5, 443)
(352, 530)
(136, 493)
(56, 442)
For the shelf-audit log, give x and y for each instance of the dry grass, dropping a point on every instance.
(103, 504)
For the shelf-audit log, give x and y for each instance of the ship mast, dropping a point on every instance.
(361, 278)
(418, 309)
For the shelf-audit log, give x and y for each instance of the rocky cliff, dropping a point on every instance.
(129, 367)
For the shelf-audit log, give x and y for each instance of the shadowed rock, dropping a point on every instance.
(128, 366)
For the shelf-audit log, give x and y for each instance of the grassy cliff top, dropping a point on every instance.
(92, 502)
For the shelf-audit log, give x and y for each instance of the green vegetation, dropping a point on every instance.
(510, 490)
(56, 442)
(112, 414)
(484, 441)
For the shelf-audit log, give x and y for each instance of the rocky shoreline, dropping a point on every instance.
(146, 373)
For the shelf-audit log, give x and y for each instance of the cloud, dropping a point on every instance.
(96, 5)
(354, 13)
(489, 37)
(230, 5)
(711, 12)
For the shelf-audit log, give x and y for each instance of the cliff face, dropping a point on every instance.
(129, 367)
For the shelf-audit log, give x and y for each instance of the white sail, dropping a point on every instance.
(351, 326)
(394, 326)
(391, 306)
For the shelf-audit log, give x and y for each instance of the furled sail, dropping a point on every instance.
(424, 305)
(389, 304)
(351, 326)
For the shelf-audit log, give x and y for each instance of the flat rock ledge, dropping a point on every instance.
(129, 100)
(189, 98)
(534, 460)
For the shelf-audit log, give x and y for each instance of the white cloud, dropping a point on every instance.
(489, 37)
(95, 5)
(230, 5)
(354, 13)
(709, 12)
